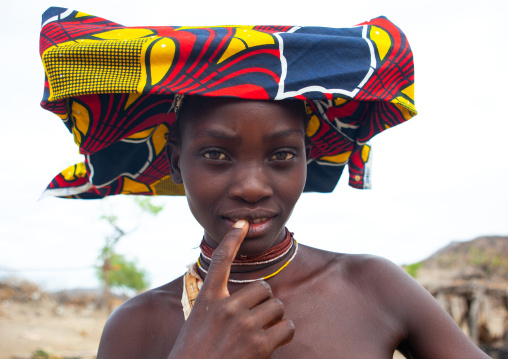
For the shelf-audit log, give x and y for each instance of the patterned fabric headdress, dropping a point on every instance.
(114, 88)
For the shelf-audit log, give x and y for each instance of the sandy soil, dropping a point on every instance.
(30, 326)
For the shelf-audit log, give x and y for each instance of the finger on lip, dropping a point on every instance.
(251, 221)
(241, 223)
(215, 284)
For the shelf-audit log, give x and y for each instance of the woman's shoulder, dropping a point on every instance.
(355, 266)
(152, 300)
(376, 277)
(142, 323)
(421, 324)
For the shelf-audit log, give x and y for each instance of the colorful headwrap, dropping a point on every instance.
(114, 86)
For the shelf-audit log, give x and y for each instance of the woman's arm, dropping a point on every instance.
(429, 331)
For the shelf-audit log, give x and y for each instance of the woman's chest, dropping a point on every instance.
(331, 321)
(343, 325)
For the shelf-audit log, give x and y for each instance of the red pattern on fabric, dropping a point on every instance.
(342, 123)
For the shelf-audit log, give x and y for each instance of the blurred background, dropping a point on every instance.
(439, 178)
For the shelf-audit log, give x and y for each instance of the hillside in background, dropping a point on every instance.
(483, 258)
(470, 280)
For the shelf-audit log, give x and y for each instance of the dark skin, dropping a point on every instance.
(243, 164)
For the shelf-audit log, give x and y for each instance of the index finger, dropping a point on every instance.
(218, 274)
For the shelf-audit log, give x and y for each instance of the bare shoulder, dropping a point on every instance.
(383, 282)
(381, 278)
(146, 324)
(425, 329)
(356, 267)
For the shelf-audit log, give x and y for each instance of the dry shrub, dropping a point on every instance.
(21, 290)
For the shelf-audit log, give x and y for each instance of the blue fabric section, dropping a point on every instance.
(322, 178)
(120, 157)
(331, 58)
(52, 11)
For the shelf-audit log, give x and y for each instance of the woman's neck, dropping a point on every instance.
(248, 268)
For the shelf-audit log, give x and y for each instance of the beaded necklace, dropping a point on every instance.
(270, 255)
(268, 262)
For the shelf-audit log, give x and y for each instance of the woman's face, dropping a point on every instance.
(241, 159)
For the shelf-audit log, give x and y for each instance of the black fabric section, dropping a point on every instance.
(322, 178)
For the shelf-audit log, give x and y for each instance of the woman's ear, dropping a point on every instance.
(308, 147)
(173, 157)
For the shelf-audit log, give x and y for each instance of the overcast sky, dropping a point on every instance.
(442, 176)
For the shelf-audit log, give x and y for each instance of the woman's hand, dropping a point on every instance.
(247, 324)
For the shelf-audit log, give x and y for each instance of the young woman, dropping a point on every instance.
(243, 160)
(243, 164)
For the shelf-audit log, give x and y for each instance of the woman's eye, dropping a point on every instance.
(215, 155)
(282, 156)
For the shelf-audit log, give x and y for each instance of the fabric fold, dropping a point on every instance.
(113, 87)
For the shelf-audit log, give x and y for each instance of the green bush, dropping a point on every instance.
(412, 269)
(125, 274)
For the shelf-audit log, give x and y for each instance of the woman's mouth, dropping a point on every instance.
(257, 226)
(253, 221)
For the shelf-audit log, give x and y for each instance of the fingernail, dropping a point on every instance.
(240, 224)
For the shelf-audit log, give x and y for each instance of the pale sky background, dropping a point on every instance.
(442, 176)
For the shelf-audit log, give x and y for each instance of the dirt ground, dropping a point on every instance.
(60, 329)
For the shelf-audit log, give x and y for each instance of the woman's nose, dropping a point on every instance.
(251, 185)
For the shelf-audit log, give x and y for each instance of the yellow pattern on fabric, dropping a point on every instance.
(159, 138)
(80, 170)
(246, 38)
(381, 39)
(339, 101)
(74, 172)
(254, 38)
(406, 108)
(132, 97)
(337, 159)
(93, 67)
(76, 135)
(182, 28)
(143, 60)
(166, 187)
(409, 91)
(82, 14)
(81, 119)
(313, 126)
(405, 113)
(234, 47)
(161, 58)
(365, 153)
(124, 34)
(131, 186)
(141, 134)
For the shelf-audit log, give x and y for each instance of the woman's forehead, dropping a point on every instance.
(197, 104)
(197, 113)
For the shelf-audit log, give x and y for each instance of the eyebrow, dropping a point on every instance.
(283, 134)
(224, 135)
(217, 134)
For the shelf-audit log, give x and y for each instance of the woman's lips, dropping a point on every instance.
(253, 221)
(257, 226)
